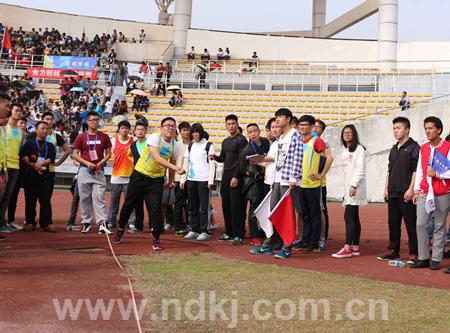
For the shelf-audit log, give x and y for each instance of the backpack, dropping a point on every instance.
(208, 145)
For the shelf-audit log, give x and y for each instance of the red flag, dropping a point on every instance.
(282, 218)
(7, 39)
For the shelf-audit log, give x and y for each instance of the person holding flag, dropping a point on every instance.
(432, 194)
(288, 171)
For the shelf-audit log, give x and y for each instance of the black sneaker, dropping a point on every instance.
(421, 264)
(435, 265)
(2, 238)
(311, 249)
(299, 245)
(391, 255)
(447, 270)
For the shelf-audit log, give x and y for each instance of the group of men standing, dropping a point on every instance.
(292, 157)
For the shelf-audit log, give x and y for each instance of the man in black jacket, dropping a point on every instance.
(399, 190)
(253, 187)
(231, 185)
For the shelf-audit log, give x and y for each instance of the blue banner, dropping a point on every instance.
(441, 164)
(69, 62)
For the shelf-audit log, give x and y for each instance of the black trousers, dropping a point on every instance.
(255, 196)
(180, 208)
(325, 211)
(352, 225)
(398, 209)
(310, 210)
(142, 187)
(38, 188)
(232, 206)
(12, 205)
(198, 193)
(139, 213)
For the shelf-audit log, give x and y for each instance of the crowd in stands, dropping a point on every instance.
(50, 41)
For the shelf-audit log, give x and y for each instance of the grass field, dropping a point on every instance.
(268, 298)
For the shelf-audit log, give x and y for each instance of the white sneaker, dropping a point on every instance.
(203, 237)
(191, 235)
(86, 228)
(103, 229)
(15, 225)
(167, 227)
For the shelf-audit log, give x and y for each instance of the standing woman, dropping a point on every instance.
(200, 172)
(354, 160)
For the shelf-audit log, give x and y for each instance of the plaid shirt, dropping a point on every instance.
(292, 167)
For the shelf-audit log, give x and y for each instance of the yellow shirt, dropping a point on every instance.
(311, 162)
(13, 141)
(3, 160)
(147, 165)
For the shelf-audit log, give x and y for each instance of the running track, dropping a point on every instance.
(37, 267)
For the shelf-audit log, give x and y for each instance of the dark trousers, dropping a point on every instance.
(74, 205)
(352, 225)
(12, 204)
(38, 188)
(398, 209)
(232, 206)
(7, 192)
(139, 211)
(310, 210)
(142, 187)
(255, 196)
(198, 193)
(325, 211)
(180, 208)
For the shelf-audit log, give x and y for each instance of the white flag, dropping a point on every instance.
(262, 214)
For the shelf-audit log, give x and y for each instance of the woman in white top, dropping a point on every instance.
(200, 171)
(354, 171)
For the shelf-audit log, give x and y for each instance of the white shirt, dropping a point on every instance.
(270, 167)
(283, 144)
(109, 107)
(198, 161)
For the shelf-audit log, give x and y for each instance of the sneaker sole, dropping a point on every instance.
(342, 256)
(157, 248)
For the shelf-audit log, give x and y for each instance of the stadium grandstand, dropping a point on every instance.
(310, 72)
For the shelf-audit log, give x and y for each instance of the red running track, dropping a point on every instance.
(37, 267)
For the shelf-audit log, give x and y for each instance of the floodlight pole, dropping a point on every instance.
(319, 14)
(387, 34)
(181, 23)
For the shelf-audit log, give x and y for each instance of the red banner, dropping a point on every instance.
(55, 73)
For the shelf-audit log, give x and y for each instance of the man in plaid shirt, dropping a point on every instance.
(287, 154)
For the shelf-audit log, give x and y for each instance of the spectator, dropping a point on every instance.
(191, 54)
(124, 73)
(404, 101)
(205, 55)
(168, 72)
(142, 36)
(109, 91)
(220, 54)
(160, 71)
(227, 55)
(254, 61)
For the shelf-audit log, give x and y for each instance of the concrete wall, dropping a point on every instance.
(138, 52)
(376, 136)
(283, 48)
(74, 25)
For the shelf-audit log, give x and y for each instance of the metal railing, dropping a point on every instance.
(390, 111)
